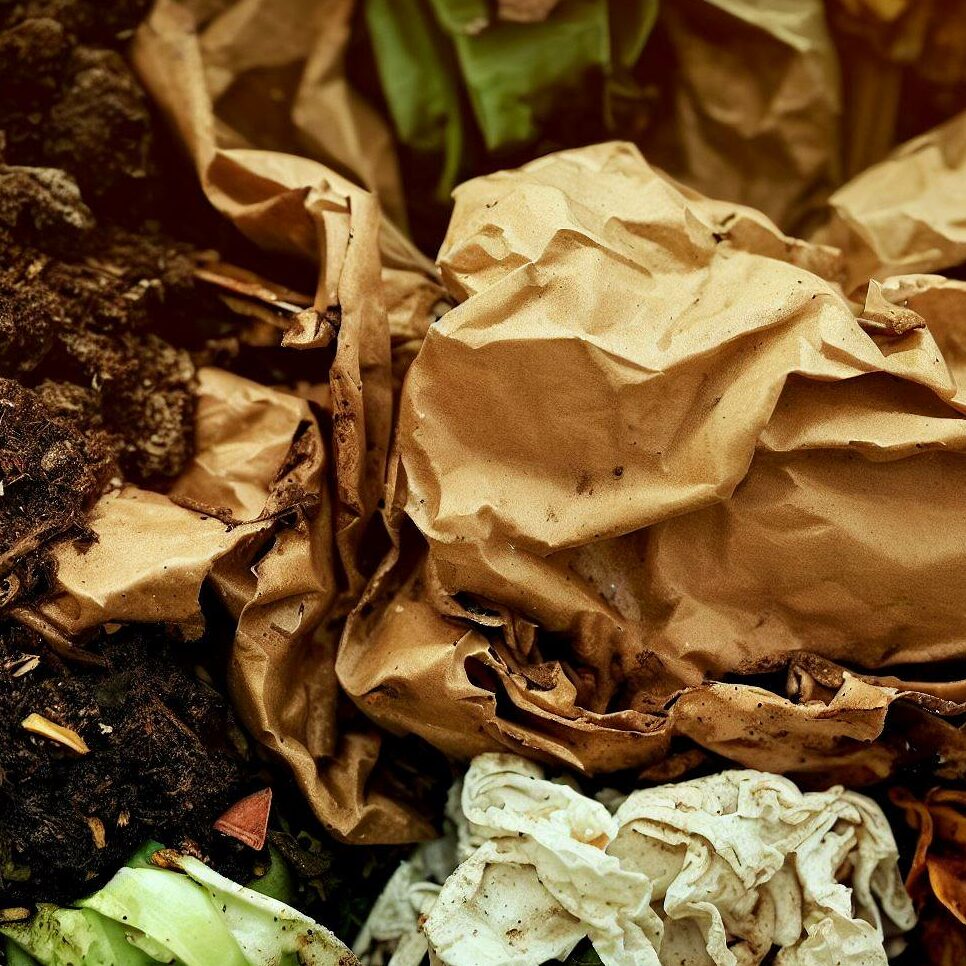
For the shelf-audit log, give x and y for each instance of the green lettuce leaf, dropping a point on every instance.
(17, 957)
(515, 73)
(435, 55)
(418, 79)
(73, 937)
(186, 914)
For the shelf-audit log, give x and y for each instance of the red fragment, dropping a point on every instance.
(247, 820)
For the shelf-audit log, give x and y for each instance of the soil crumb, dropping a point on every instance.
(164, 762)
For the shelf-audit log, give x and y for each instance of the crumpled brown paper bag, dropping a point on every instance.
(905, 214)
(260, 464)
(154, 551)
(648, 460)
(756, 103)
(291, 204)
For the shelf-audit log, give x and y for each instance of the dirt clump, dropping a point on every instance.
(90, 323)
(164, 760)
(69, 100)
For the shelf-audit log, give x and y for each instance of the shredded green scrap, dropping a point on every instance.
(185, 913)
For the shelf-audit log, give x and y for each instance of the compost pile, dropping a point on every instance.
(402, 397)
(92, 390)
(162, 760)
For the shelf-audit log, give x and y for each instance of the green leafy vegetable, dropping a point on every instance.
(17, 957)
(171, 911)
(516, 72)
(73, 937)
(277, 882)
(418, 79)
(185, 913)
(435, 56)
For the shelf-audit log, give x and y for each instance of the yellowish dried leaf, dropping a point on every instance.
(39, 725)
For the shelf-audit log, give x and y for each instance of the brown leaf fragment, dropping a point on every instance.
(948, 880)
(918, 817)
(15, 914)
(247, 820)
(39, 725)
(950, 823)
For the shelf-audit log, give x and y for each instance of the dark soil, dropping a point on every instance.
(94, 297)
(89, 324)
(53, 469)
(68, 99)
(165, 760)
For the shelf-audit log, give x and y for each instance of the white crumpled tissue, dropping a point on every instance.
(721, 870)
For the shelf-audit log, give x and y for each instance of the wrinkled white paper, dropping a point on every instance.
(719, 870)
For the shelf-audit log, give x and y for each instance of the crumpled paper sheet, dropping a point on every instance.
(718, 870)
(387, 294)
(153, 552)
(291, 204)
(937, 876)
(904, 215)
(275, 71)
(756, 104)
(645, 457)
(261, 463)
(942, 304)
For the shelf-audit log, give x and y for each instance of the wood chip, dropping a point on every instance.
(247, 820)
(39, 725)
(240, 280)
(97, 831)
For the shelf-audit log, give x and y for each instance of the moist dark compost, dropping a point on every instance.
(164, 761)
(96, 301)
(99, 307)
(53, 469)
